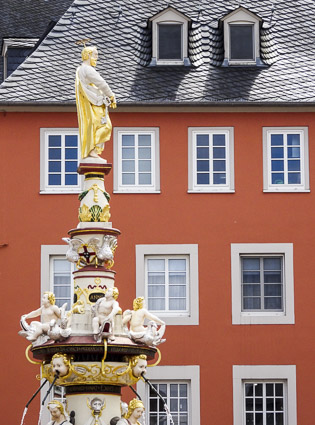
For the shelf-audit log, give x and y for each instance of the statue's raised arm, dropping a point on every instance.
(93, 97)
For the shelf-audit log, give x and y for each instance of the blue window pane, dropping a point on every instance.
(202, 153)
(276, 152)
(145, 165)
(277, 178)
(128, 178)
(202, 140)
(251, 263)
(294, 178)
(294, 152)
(54, 179)
(293, 139)
(71, 140)
(128, 165)
(277, 165)
(251, 303)
(203, 178)
(272, 263)
(71, 166)
(202, 165)
(144, 140)
(294, 165)
(144, 153)
(145, 178)
(71, 179)
(54, 141)
(273, 303)
(219, 165)
(54, 153)
(54, 166)
(251, 290)
(276, 139)
(71, 153)
(128, 153)
(128, 140)
(218, 152)
(251, 277)
(219, 178)
(218, 140)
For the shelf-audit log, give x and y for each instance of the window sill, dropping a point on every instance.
(284, 190)
(60, 192)
(135, 191)
(264, 319)
(211, 191)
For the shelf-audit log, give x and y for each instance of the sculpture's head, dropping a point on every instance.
(135, 408)
(112, 292)
(97, 405)
(138, 303)
(60, 364)
(90, 53)
(50, 297)
(56, 409)
(139, 365)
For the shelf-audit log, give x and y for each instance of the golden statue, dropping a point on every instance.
(93, 97)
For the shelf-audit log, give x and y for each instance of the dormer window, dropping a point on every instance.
(14, 52)
(169, 38)
(241, 38)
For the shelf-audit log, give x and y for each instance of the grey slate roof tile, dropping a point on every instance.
(124, 41)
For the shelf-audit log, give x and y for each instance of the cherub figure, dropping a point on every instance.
(150, 334)
(135, 411)
(139, 365)
(60, 364)
(57, 413)
(40, 332)
(96, 405)
(103, 313)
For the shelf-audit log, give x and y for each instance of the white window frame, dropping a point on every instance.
(193, 187)
(62, 189)
(241, 16)
(305, 183)
(190, 374)
(48, 253)
(284, 317)
(284, 373)
(190, 250)
(169, 16)
(14, 43)
(155, 184)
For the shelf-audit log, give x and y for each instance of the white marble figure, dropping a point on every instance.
(57, 413)
(60, 364)
(148, 335)
(139, 365)
(53, 324)
(104, 252)
(96, 405)
(72, 253)
(103, 314)
(135, 411)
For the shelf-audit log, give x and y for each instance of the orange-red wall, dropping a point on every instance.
(213, 221)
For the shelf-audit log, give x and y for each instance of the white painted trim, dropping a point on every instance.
(155, 186)
(44, 188)
(262, 318)
(176, 373)
(47, 251)
(265, 372)
(305, 185)
(186, 249)
(192, 172)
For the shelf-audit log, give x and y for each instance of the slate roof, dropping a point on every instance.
(120, 31)
(28, 18)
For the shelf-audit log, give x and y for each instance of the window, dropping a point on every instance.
(210, 159)
(286, 166)
(241, 38)
(169, 38)
(167, 276)
(262, 283)
(56, 273)
(60, 153)
(14, 52)
(180, 388)
(136, 155)
(264, 395)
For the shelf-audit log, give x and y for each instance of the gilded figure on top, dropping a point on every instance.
(93, 97)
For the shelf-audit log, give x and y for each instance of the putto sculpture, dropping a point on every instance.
(53, 324)
(135, 411)
(148, 335)
(93, 97)
(103, 313)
